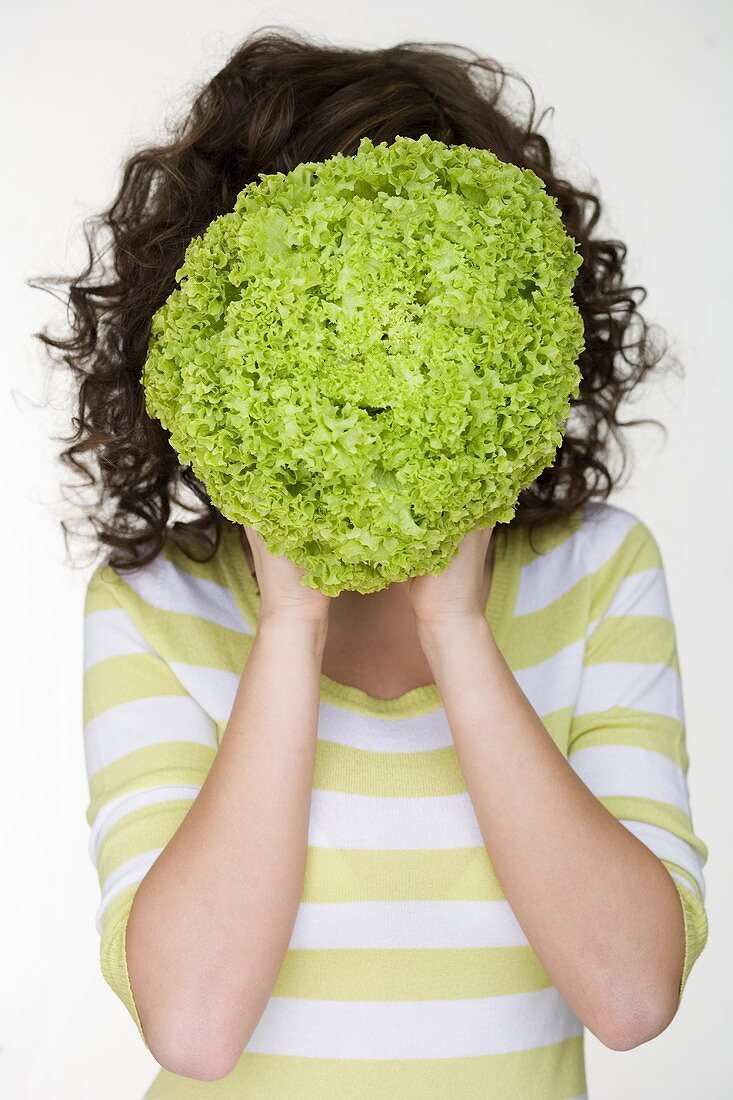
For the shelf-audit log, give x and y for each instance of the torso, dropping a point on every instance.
(372, 641)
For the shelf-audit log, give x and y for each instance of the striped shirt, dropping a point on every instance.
(407, 973)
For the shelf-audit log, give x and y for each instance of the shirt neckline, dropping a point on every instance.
(421, 700)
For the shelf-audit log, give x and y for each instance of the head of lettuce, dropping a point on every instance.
(371, 355)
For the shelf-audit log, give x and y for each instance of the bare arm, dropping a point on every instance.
(615, 945)
(212, 919)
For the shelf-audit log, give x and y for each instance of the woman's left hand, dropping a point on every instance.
(457, 593)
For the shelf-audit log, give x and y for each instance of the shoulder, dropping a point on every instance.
(607, 532)
(112, 587)
(173, 582)
(598, 543)
(586, 536)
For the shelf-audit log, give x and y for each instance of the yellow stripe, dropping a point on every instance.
(101, 592)
(534, 636)
(387, 774)
(404, 974)
(429, 772)
(332, 874)
(663, 814)
(629, 726)
(524, 1074)
(126, 679)
(358, 874)
(637, 552)
(159, 765)
(142, 830)
(637, 639)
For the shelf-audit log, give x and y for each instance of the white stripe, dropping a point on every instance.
(127, 727)
(213, 688)
(452, 1028)
(549, 576)
(666, 845)
(554, 683)
(342, 820)
(655, 688)
(127, 874)
(681, 879)
(642, 593)
(117, 808)
(161, 584)
(623, 771)
(371, 733)
(437, 924)
(111, 633)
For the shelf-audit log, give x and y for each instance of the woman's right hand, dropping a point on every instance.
(282, 595)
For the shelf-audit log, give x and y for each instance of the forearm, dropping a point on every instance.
(598, 907)
(212, 919)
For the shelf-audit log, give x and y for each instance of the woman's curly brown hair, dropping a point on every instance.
(282, 99)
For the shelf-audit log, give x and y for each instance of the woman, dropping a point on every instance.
(404, 844)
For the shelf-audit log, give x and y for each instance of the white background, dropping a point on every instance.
(642, 101)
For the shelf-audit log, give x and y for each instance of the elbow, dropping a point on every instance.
(206, 1064)
(197, 1069)
(198, 1048)
(190, 1034)
(187, 1067)
(637, 1024)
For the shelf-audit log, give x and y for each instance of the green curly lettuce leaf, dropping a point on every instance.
(371, 355)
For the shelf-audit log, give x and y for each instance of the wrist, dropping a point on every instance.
(310, 632)
(449, 631)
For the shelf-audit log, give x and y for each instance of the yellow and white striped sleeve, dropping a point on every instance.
(627, 735)
(148, 748)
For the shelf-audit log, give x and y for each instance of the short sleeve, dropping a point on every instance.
(148, 748)
(627, 736)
